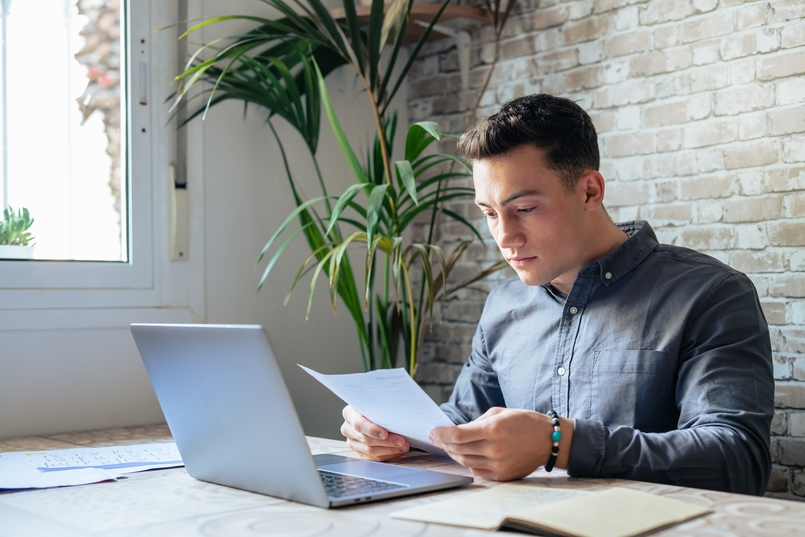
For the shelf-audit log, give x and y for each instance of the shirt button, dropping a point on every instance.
(608, 275)
(574, 310)
(561, 371)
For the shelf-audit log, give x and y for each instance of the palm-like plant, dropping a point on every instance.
(281, 65)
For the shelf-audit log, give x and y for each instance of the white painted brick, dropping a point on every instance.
(791, 91)
(627, 18)
(548, 39)
(699, 107)
(794, 149)
(708, 212)
(580, 9)
(704, 78)
(712, 132)
(627, 92)
(629, 168)
(785, 179)
(797, 310)
(669, 140)
(786, 120)
(733, 101)
(751, 236)
(668, 165)
(703, 6)
(768, 40)
(628, 118)
(591, 52)
(793, 35)
(781, 368)
(659, 11)
(708, 160)
(704, 27)
(664, 87)
(666, 36)
(796, 261)
(794, 205)
(786, 10)
(752, 126)
(750, 16)
(626, 214)
(750, 183)
(705, 53)
(743, 72)
(782, 64)
(796, 423)
(665, 191)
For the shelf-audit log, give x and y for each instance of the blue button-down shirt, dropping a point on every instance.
(660, 354)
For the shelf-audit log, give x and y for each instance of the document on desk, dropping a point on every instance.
(612, 512)
(390, 398)
(81, 466)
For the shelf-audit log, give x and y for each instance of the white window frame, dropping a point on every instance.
(79, 294)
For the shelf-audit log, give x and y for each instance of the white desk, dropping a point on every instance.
(170, 503)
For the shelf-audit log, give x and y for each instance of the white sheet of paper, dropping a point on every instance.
(160, 455)
(81, 466)
(17, 472)
(390, 398)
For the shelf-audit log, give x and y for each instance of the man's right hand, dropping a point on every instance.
(369, 440)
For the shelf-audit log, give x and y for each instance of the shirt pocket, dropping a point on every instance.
(633, 388)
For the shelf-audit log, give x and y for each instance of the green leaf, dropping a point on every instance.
(340, 136)
(405, 173)
(342, 203)
(376, 198)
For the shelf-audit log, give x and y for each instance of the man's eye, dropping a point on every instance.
(526, 210)
(489, 214)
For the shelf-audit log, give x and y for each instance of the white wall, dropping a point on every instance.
(247, 197)
(65, 379)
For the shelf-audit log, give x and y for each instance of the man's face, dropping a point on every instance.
(537, 224)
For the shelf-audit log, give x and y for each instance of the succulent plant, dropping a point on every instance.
(14, 227)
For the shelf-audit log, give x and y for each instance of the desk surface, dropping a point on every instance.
(170, 503)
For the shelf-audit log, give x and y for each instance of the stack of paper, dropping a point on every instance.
(79, 466)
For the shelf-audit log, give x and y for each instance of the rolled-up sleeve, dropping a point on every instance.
(724, 392)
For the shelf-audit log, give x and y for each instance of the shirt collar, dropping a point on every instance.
(623, 259)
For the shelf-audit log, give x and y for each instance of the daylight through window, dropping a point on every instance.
(63, 127)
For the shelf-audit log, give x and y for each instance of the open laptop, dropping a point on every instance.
(231, 416)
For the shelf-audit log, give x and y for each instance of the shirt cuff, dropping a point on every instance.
(587, 450)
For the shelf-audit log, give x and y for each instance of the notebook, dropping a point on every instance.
(233, 421)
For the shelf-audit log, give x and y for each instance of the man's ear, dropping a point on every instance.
(591, 187)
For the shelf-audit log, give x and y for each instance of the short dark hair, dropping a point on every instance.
(556, 125)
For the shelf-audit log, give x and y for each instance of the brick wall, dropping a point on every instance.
(700, 109)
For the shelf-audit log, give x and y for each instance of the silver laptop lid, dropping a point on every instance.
(242, 433)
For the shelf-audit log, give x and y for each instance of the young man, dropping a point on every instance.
(655, 358)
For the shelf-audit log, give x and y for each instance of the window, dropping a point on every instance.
(62, 125)
(136, 281)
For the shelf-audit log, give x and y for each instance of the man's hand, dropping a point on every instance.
(369, 440)
(504, 444)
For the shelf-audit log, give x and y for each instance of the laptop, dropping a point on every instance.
(233, 421)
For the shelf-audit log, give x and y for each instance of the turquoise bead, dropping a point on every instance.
(556, 436)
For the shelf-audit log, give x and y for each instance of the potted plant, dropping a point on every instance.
(16, 242)
(281, 65)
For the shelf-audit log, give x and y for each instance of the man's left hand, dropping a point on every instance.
(503, 444)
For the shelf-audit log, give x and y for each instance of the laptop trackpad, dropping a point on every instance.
(369, 469)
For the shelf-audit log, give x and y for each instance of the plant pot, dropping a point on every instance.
(8, 251)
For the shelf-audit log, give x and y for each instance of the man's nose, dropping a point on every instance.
(509, 234)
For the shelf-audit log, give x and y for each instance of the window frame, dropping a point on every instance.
(44, 294)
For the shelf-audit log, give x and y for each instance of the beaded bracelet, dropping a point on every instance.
(556, 436)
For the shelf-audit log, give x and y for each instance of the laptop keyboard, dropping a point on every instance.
(340, 486)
